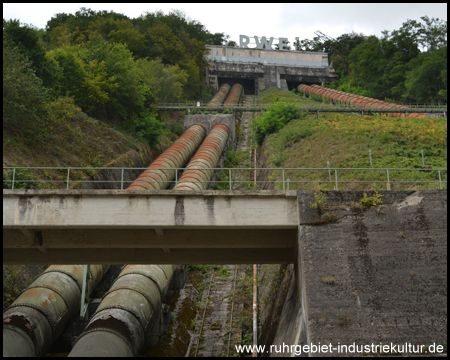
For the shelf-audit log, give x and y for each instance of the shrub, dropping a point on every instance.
(279, 158)
(148, 127)
(23, 179)
(275, 119)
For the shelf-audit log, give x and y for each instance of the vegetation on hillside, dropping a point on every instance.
(406, 65)
(342, 140)
(108, 66)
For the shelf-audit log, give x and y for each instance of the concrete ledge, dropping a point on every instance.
(127, 210)
(219, 193)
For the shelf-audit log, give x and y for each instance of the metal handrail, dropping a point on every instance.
(324, 108)
(408, 106)
(285, 182)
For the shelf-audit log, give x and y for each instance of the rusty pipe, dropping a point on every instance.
(162, 171)
(198, 172)
(342, 97)
(121, 324)
(234, 95)
(39, 315)
(220, 95)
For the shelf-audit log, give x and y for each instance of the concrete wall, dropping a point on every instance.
(267, 57)
(211, 120)
(267, 76)
(370, 277)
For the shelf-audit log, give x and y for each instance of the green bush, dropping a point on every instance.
(279, 158)
(147, 126)
(23, 179)
(315, 98)
(275, 119)
(236, 157)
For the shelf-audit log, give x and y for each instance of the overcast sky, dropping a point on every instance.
(277, 20)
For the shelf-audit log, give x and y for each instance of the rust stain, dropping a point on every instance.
(341, 97)
(206, 157)
(220, 95)
(175, 156)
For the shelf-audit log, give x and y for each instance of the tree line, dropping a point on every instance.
(117, 68)
(111, 66)
(405, 65)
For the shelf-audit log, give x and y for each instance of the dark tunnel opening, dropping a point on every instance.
(248, 84)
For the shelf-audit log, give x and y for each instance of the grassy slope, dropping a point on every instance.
(345, 139)
(72, 139)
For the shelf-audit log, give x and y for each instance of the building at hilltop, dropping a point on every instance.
(257, 69)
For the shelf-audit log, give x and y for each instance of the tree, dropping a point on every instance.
(424, 83)
(129, 95)
(120, 31)
(24, 97)
(433, 34)
(165, 82)
(367, 65)
(26, 38)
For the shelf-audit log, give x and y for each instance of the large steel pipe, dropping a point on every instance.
(197, 175)
(220, 95)
(121, 324)
(340, 97)
(162, 171)
(234, 95)
(41, 312)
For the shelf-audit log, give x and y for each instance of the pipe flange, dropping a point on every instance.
(41, 310)
(130, 288)
(110, 331)
(152, 278)
(56, 291)
(121, 307)
(49, 271)
(163, 271)
(62, 272)
(24, 334)
(56, 331)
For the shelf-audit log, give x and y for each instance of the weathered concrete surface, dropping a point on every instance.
(371, 277)
(267, 76)
(275, 283)
(267, 57)
(164, 227)
(148, 209)
(211, 120)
